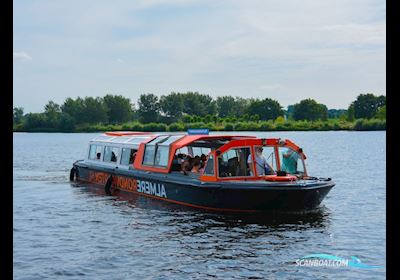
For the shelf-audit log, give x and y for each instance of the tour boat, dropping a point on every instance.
(237, 173)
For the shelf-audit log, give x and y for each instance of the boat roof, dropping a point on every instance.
(135, 137)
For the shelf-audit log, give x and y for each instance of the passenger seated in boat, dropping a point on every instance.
(196, 165)
(263, 168)
(289, 161)
(113, 157)
(98, 155)
(133, 156)
(185, 167)
(203, 159)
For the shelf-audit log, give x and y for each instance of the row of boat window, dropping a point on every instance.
(112, 154)
(233, 163)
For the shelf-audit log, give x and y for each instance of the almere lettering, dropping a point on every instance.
(156, 189)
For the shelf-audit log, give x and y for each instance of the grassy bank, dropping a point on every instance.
(331, 124)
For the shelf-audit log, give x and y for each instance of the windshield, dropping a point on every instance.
(291, 161)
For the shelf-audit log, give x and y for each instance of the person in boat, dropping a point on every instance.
(196, 165)
(203, 159)
(113, 157)
(185, 167)
(98, 155)
(263, 168)
(289, 161)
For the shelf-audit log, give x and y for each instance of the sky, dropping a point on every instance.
(287, 50)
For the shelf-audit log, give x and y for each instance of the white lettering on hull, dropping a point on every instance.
(151, 188)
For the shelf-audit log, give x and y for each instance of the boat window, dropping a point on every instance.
(233, 163)
(172, 139)
(291, 161)
(111, 154)
(138, 140)
(156, 152)
(127, 156)
(265, 160)
(269, 155)
(120, 139)
(95, 152)
(162, 156)
(209, 169)
(149, 154)
(198, 151)
(104, 138)
(182, 150)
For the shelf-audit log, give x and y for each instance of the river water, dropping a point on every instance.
(65, 231)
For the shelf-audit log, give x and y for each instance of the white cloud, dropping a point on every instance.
(329, 50)
(21, 56)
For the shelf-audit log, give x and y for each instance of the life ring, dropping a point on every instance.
(72, 174)
(276, 178)
(107, 187)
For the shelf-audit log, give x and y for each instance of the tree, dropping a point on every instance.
(350, 112)
(74, 108)
(309, 109)
(198, 104)
(242, 105)
(149, 108)
(367, 105)
(66, 123)
(52, 111)
(226, 106)
(266, 109)
(119, 108)
(172, 106)
(35, 120)
(18, 113)
(336, 113)
(381, 114)
(94, 110)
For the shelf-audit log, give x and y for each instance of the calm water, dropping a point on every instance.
(63, 231)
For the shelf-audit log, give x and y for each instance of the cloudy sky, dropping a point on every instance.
(288, 50)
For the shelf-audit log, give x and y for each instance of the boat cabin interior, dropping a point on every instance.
(206, 157)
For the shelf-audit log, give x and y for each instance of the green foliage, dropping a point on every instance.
(280, 119)
(226, 106)
(149, 108)
(180, 111)
(198, 104)
(176, 127)
(194, 125)
(266, 109)
(66, 123)
(154, 127)
(309, 109)
(267, 126)
(370, 124)
(367, 105)
(228, 127)
(53, 112)
(95, 111)
(350, 113)
(74, 108)
(172, 106)
(18, 113)
(381, 114)
(137, 127)
(119, 108)
(35, 121)
(247, 126)
(336, 113)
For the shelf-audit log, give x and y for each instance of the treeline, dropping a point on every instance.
(179, 111)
